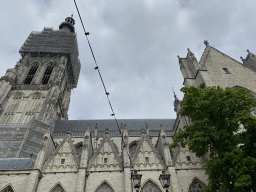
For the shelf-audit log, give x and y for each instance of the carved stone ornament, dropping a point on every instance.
(7, 79)
(31, 87)
(45, 137)
(86, 137)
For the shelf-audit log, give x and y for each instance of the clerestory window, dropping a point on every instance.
(8, 189)
(31, 74)
(47, 74)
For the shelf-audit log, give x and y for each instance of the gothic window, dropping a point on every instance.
(226, 70)
(8, 189)
(132, 148)
(150, 187)
(196, 186)
(104, 188)
(78, 149)
(58, 188)
(31, 74)
(47, 74)
(62, 161)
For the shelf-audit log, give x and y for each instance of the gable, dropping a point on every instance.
(146, 156)
(236, 74)
(106, 157)
(64, 158)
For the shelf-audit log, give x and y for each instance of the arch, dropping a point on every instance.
(58, 187)
(104, 186)
(47, 74)
(196, 185)
(150, 185)
(31, 74)
(253, 94)
(132, 147)
(8, 188)
(79, 149)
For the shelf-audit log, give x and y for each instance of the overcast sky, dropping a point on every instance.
(136, 43)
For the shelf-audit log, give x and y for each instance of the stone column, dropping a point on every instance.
(174, 179)
(127, 179)
(32, 181)
(127, 165)
(80, 184)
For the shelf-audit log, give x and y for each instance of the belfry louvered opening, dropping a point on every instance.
(31, 74)
(47, 74)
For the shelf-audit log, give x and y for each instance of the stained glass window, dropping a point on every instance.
(104, 188)
(196, 186)
(8, 189)
(58, 188)
(132, 149)
(150, 187)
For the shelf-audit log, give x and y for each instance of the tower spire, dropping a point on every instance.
(68, 24)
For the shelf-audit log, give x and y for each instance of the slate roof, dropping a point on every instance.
(131, 124)
(15, 163)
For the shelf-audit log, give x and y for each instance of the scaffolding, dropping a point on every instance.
(22, 140)
(55, 44)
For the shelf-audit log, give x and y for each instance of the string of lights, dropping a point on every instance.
(97, 68)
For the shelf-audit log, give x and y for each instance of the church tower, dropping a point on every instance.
(37, 91)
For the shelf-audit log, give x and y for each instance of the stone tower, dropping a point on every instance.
(37, 91)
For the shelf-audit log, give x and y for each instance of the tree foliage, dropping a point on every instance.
(224, 128)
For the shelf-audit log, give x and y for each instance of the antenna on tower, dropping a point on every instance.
(173, 92)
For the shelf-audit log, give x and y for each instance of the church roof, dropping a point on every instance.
(15, 163)
(131, 124)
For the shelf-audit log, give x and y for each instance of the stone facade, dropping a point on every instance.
(94, 155)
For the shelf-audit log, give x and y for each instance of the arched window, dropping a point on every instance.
(196, 186)
(150, 187)
(132, 148)
(78, 149)
(8, 189)
(47, 74)
(104, 188)
(58, 188)
(31, 74)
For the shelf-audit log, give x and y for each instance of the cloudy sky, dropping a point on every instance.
(136, 43)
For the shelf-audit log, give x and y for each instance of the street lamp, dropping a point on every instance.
(165, 180)
(136, 180)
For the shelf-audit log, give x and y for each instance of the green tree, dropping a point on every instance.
(218, 115)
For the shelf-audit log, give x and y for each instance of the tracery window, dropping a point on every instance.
(8, 189)
(78, 149)
(58, 188)
(47, 74)
(105, 188)
(132, 149)
(150, 187)
(196, 186)
(31, 74)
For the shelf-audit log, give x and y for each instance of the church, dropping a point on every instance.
(42, 151)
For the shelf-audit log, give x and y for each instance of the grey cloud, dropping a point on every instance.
(136, 46)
